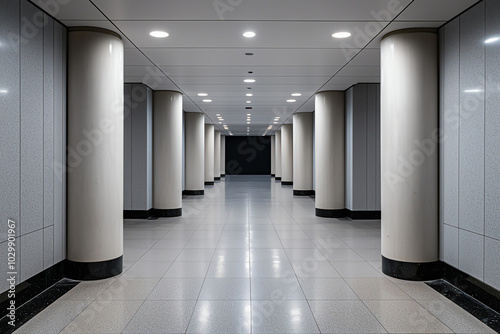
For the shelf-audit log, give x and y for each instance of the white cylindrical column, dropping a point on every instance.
(409, 154)
(95, 154)
(195, 153)
(287, 154)
(223, 156)
(167, 154)
(217, 140)
(209, 154)
(330, 156)
(273, 156)
(303, 154)
(277, 151)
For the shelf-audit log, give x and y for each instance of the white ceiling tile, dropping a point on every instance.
(434, 10)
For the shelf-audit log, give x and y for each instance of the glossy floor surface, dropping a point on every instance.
(249, 257)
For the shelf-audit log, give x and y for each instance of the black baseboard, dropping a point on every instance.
(287, 183)
(472, 286)
(363, 214)
(339, 213)
(303, 192)
(136, 214)
(36, 302)
(93, 270)
(209, 183)
(32, 286)
(193, 192)
(272, 175)
(488, 315)
(166, 212)
(223, 175)
(277, 178)
(217, 178)
(411, 271)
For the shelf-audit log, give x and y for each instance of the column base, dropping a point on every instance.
(223, 175)
(209, 183)
(272, 175)
(136, 214)
(278, 178)
(87, 271)
(193, 192)
(363, 214)
(166, 212)
(217, 178)
(287, 183)
(338, 213)
(303, 192)
(411, 271)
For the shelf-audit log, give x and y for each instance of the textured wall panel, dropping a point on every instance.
(471, 183)
(9, 117)
(31, 122)
(127, 148)
(492, 124)
(32, 255)
(48, 247)
(471, 253)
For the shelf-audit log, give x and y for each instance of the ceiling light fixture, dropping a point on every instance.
(249, 114)
(3, 91)
(202, 94)
(249, 94)
(291, 101)
(207, 100)
(473, 91)
(158, 34)
(341, 34)
(296, 94)
(249, 80)
(249, 34)
(249, 101)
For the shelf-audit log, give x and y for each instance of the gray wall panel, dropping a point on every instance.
(372, 158)
(471, 200)
(492, 124)
(139, 147)
(127, 148)
(48, 122)
(471, 253)
(450, 245)
(359, 148)
(32, 255)
(150, 149)
(31, 122)
(48, 247)
(9, 118)
(491, 262)
(64, 41)
(348, 148)
(59, 145)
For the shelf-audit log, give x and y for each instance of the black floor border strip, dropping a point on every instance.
(36, 305)
(485, 314)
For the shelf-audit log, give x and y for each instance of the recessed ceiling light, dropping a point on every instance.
(3, 91)
(248, 122)
(249, 80)
(221, 119)
(249, 101)
(249, 87)
(202, 94)
(207, 100)
(275, 122)
(291, 101)
(492, 40)
(249, 34)
(296, 94)
(249, 114)
(341, 34)
(220, 122)
(158, 34)
(217, 115)
(248, 54)
(249, 94)
(473, 91)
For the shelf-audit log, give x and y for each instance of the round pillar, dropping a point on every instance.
(95, 133)
(217, 140)
(273, 156)
(303, 154)
(223, 156)
(277, 151)
(167, 154)
(195, 154)
(330, 154)
(287, 154)
(209, 154)
(409, 154)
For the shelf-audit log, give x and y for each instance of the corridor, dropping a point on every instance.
(249, 257)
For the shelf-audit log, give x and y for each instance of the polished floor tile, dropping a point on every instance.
(249, 257)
